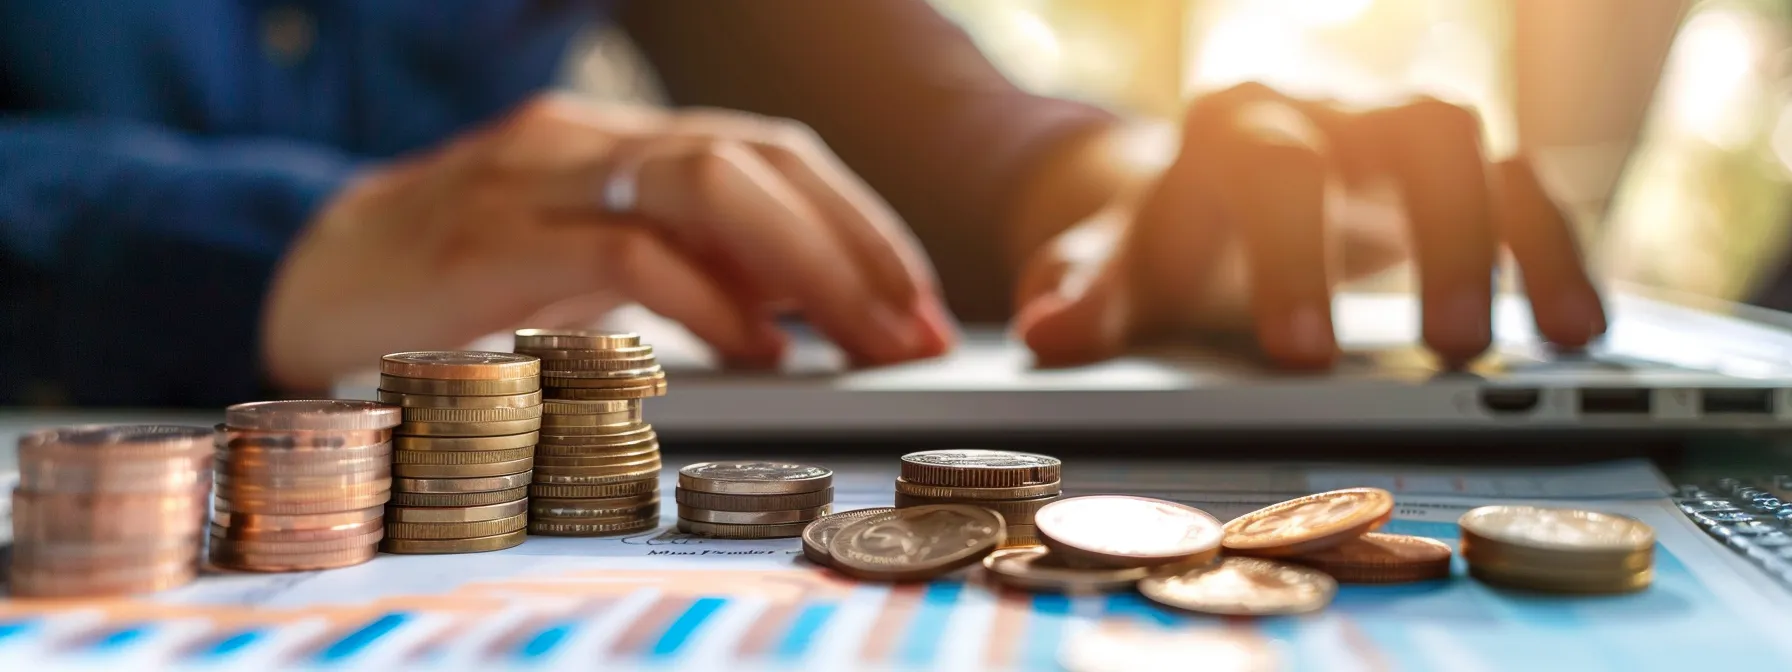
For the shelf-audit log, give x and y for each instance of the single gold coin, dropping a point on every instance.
(625, 378)
(626, 352)
(566, 425)
(1015, 511)
(460, 388)
(1125, 531)
(622, 452)
(521, 400)
(749, 477)
(726, 531)
(465, 443)
(597, 475)
(633, 457)
(752, 517)
(917, 543)
(456, 514)
(972, 468)
(1554, 529)
(715, 502)
(459, 365)
(576, 528)
(483, 528)
(656, 387)
(1131, 650)
(635, 364)
(1237, 586)
(325, 415)
(463, 470)
(944, 492)
(630, 436)
(471, 415)
(820, 532)
(617, 489)
(495, 542)
(576, 407)
(502, 427)
(1035, 568)
(1309, 523)
(595, 508)
(1382, 558)
(401, 498)
(576, 339)
(451, 457)
(462, 485)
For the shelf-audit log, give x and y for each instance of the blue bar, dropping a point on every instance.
(232, 644)
(803, 630)
(681, 628)
(1135, 606)
(360, 639)
(929, 623)
(1045, 629)
(121, 638)
(16, 628)
(544, 642)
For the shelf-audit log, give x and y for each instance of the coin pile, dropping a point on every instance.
(752, 500)
(597, 467)
(109, 510)
(301, 484)
(1015, 485)
(1558, 550)
(464, 452)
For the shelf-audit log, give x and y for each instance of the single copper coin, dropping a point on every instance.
(133, 441)
(904, 487)
(345, 532)
(1309, 523)
(1125, 531)
(820, 532)
(575, 339)
(917, 543)
(304, 443)
(299, 504)
(1237, 586)
(629, 353)
(377, 478)
(271, 523)
(656, 388)
(1382, 558)
(457, 457)
(227, 545)
(323, 415)
(249, 561)
(459, 365)
(494, 414)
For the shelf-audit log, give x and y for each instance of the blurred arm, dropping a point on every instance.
(133, 259)
(906, 99)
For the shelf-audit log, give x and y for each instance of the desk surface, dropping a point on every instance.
(663, 599)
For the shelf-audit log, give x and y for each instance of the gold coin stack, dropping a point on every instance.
(302, 485)
(1558, 550)
(1013, 484)
(102, 511)
(464, 452)
(752, 500)
(597, 467)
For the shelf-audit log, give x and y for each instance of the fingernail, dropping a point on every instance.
(899, 335)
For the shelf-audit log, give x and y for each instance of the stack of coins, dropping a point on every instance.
(301, 484)
(752, 500)
(1558, 550)
(464, 452)
(104, 511)
(597, 467)
(1015, 485)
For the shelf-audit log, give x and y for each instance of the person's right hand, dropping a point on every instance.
(735, 218)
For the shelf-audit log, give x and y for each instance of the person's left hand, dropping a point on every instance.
(1273, 202)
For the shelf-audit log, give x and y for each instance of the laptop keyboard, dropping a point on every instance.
(1753, 516)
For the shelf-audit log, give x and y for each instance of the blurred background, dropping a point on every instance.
(1664, 125)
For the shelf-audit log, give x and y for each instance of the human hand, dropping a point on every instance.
(1273, 202)
(734, 218)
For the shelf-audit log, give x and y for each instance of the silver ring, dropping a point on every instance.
(621, 186)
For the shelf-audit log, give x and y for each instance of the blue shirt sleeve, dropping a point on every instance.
(133, 258)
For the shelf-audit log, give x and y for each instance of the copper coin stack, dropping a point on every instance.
(108, 510)
(597, 468)
(464, 452)
(1015, 485)
(302, 484)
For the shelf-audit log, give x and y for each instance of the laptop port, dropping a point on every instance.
(1616, 401)
(1737, 400)
(1510, 400)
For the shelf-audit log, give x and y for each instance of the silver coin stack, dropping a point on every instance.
(752, 500)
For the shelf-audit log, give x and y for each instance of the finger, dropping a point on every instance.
(1433, 149)
(1564, 303)
(1074, 304)
(1271, 177)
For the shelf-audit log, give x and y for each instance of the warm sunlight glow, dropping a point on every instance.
(1708, 77)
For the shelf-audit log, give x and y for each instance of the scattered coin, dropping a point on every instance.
(1125, 531)
(917, 543)
(1035, 568)
(1237, 586)
(1309, 523)
(1382, 558)
(820, 532)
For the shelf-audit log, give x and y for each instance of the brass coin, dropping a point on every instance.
(1480, 550)
(715, 502)
(656, 389)
(1237, 586)
(552, 354)
(633, 457)
(522, 400)
(1565, 530)
(260, 521)
(590, 507)
(1015, 511)
(226, 545)
(495, 542)
(1382, 558)
(725, 531)
(590, 407)
(1034, 568)
(1581, 583)
(622, 452)
(471, 415)
(244, 503)
(558, 528)
(636, 364)
(463, 470)
(400, 498)
(616, 489)
(820, 532)
(459, 365)
(503, 427)
(456, 514)
(318, 415)
(465, 443)
(1310, 523)
(1022, 492)
(110, 441)
(619, 427)
(583, 339)
(460, 388)
(583, 515)
(482, 528)
(918, 543)
(462, 485)
(754, 478)
(753, 517)
(1130, 650)
(297, 444)
(624, 378)
(451, 457)
(1124, 531)
(637, 434)
(979, 468)
(597, 475)
(291, 562)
